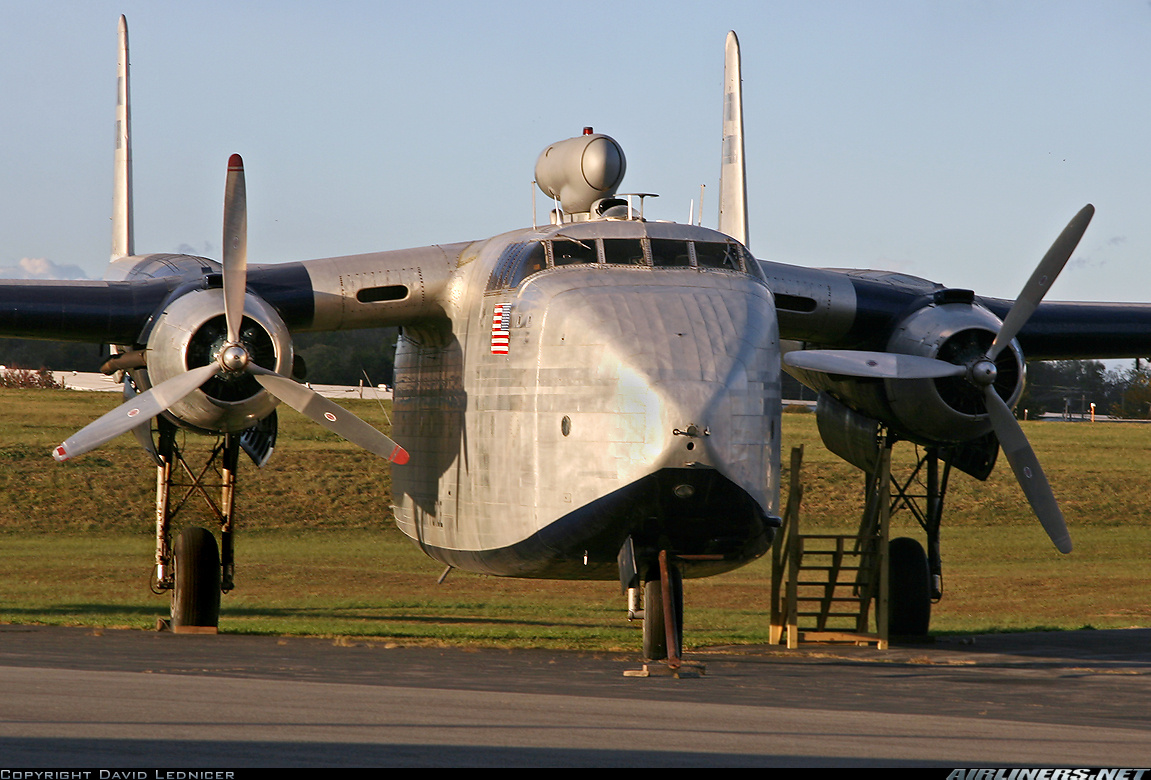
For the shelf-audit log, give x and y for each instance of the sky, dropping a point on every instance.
(951, 141)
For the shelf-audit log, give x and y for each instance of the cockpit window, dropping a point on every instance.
(623, 251)
(517, 263)
(533, 260)
(713, 255)
(570, 251)
(666, 253)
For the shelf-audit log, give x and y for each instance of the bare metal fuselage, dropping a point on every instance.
(633, 399)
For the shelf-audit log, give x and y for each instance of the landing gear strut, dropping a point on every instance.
(194, 569)
(916, 576)
(927, 508)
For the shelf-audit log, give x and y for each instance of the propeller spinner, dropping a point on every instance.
(981, 373)
(233, 359)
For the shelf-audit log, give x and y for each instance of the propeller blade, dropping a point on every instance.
(136, 411)
(873, 365)
(1041, 280)
(333, 417)
(1027, 470)
(235, 247)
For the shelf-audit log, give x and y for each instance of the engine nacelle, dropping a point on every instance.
(934, 411)
(847, 433)
(581, 170)
(190, 332)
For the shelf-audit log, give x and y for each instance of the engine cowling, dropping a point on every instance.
(216, 357)
(933, 411)
(190, 332)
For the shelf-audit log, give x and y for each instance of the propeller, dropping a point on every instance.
(233, 358)
(876, 365)
(981, 373)
(235, 246)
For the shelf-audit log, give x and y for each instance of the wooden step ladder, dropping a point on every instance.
(823, 585)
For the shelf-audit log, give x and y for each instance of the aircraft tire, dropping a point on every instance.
(196, 573)
(654, 633)
(909, 600)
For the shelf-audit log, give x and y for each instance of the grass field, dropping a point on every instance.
(318, 554)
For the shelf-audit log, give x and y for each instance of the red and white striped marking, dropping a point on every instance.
(501, 322)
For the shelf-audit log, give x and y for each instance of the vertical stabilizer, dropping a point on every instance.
(732, 172)
(122, 242)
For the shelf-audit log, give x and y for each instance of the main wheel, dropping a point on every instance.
(909, 578)
(196, 573)
(654, 629)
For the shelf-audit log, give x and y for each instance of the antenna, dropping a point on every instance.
(631, 210)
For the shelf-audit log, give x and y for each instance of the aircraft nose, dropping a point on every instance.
(674, 375)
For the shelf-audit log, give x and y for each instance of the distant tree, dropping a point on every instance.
(343, 357)
(25, 378)
(1135, 402)
(1070, 385)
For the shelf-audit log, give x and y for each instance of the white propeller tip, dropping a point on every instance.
(61, 453)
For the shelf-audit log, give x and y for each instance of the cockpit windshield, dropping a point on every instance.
(667, 253)
(624, 251)
(571, 251)
(709, 255)
(519, 261)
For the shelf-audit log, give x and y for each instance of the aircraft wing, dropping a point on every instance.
(168, 313)
(357, 291)
(862, 309)
(361, 291)
(95, 311)
(1078, 330)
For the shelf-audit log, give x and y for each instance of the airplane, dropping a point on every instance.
(597, 397)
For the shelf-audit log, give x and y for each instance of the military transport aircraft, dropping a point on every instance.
(597, 397)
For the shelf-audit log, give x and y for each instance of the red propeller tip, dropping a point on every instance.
(235, 163)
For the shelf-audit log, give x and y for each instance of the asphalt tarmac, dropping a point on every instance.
(74, 697)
